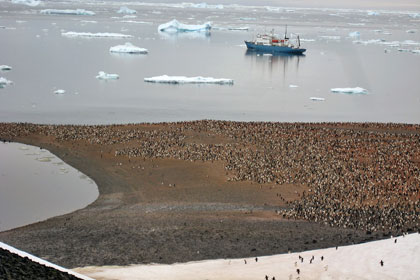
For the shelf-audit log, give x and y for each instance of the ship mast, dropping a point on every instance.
(285, 34)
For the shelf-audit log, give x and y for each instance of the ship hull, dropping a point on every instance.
(273, 49)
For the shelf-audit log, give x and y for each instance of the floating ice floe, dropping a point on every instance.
(411, 31)
(77, 12)
(354, 34)
(272, 9)
(307, 40)
(126, 10)
(175, 26)
(330, 37)
(5, 68)
(247, 18)
(205, 6)
(95, 35)
(60, 91)
(293, 86)
(31, 3)
(356, 90)
(105, 76)
(135, 21)
(356, 24)
(317, 98)
(244, 28)
(129, 16)
(88, 21)
(4, 82)
(188, 80)
(415, 51)
(128, 48)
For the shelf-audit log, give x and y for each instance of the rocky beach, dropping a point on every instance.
(185, 191)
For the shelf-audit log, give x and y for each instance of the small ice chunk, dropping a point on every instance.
(31, 3)
(60, 91)
(411, 31)
(126, 10)
(129, 16)
(88, 21)
(4, 82)
(415, 51)
(354, 34)
(373, 13)
(128, 48)
(247, 18)
(77, 12)
(330, 37)
(5, 68)
(293, 86)
(95, 35)
(244, 28)
(105, 76)
(44, 159)
(175, 26)
(272, 9)
(356, 90)
(188, 80)
(317, 98)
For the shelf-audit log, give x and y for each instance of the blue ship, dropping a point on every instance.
(271, 44)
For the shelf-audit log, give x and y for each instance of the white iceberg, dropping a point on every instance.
(31, 3)
(188, 80)
(4, 82)
(95, 35)
(356, 90)
(126, 10)
(60, 91)
(317, 98)
(354, 34)
(128, 48)
(105, 76)
(175, 26)
(77, 12)
(5, 68)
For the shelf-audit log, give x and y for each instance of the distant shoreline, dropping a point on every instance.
(154, 207)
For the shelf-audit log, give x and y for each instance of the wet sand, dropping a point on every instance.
(168, 195)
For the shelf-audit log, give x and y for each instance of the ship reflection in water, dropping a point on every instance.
(275, 62)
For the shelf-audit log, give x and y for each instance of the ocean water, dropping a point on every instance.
(36, 185)
(266, 87)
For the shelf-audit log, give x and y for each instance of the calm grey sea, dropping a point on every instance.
(266, 88)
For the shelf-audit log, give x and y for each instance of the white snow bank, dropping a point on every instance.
(356, 90)
(126, 10)
(60, 91)
(105, 76)
(5, 68)
(317, 98)
(4, 82)
(354, 34)
(175, 26)
(78, 12)
(188, 80)
(128, 48)
(41, 261)
(95, 35)
(31, 3)
(361, 261)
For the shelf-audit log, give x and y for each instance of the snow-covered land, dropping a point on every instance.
(31, 3)
(95, 35)
(4, 82)
(400, 260)
(356, 90)
(128, 48)
(41, 261)
(188, 80)
(176, 26)
(105, 76)
(126, 10)
(77, 12)
(5, 68)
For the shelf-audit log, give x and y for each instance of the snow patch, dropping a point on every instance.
(356, 90)
(105, 76)
(128, 48)
(78, 12)
(175, 26)
(188, 80)
(95, 35)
